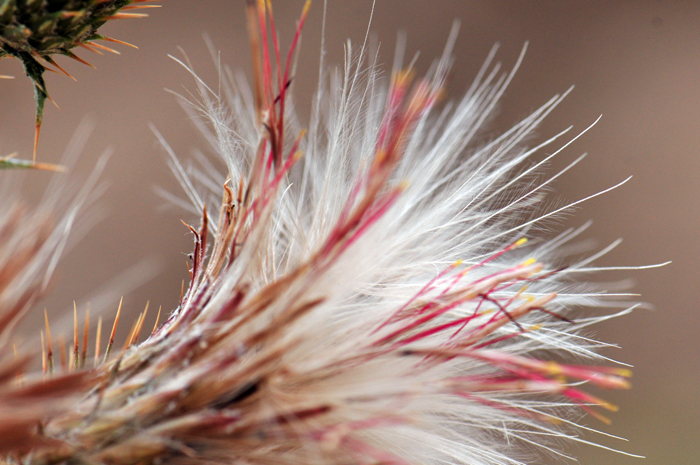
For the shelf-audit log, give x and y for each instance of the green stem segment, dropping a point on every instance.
(35, 71)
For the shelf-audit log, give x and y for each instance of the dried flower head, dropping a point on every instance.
(366, 292)
(35, 30)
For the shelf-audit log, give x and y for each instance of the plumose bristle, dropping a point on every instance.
(365, 292)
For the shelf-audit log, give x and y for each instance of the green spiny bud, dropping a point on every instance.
(34, 30)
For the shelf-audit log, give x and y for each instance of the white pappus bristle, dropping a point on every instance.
(400, 316)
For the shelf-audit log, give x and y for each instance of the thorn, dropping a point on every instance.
(49, 352)
(53, 62)
(72, 363)
(155, 326)
(53, 101)
(140, 325)
(127, 16)
(132, 331)
(114, 331)
(139, 7)
(77, 58)
(37, 129)
(43, 354)
(103, 47)
(76, 343)
(49, 167)
(42, 61)
(86, 333)
(87, 47)
(117, 41)
(40, 86)
(189, 270)
(97, 342)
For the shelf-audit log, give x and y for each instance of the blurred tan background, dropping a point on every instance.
(636, 63)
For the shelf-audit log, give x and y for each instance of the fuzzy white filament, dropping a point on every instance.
(446, 389)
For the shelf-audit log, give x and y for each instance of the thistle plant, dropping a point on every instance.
(34, 31)
(365, 291)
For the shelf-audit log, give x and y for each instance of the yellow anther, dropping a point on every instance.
(609, 406)
(307, 5)
(553, 368)
(624, 372)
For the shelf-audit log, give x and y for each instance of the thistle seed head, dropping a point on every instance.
(365, 291)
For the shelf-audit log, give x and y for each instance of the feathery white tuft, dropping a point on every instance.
(425, 335)
(366, 294)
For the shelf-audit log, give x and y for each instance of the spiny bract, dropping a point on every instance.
(34, 30)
